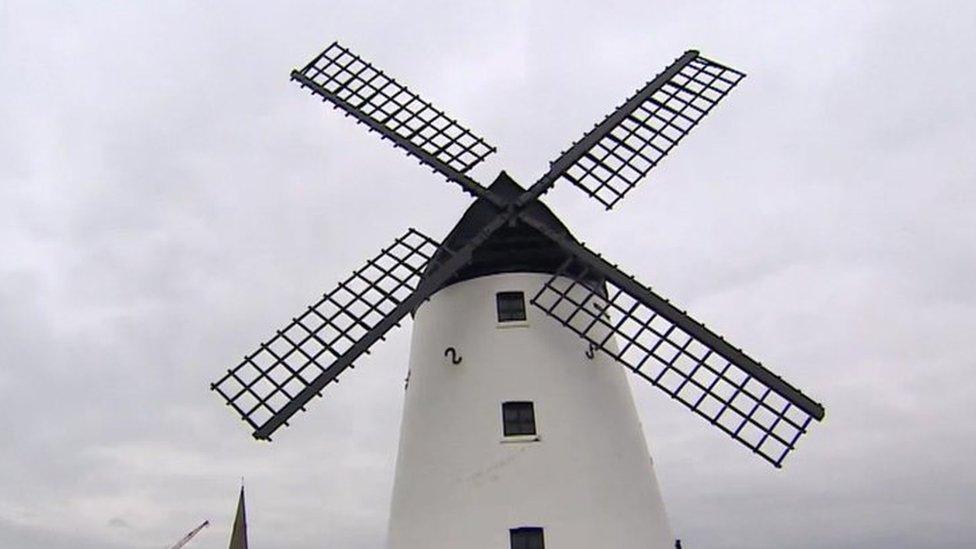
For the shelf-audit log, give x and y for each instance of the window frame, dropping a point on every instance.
(514, 535)
(519, 422)
(509, 315)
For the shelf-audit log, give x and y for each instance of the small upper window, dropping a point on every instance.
(527, 538)
(518, 418)
(511, 306)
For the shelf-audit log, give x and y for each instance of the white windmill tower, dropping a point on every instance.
(518, 431)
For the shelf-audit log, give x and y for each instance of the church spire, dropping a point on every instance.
(238, 537)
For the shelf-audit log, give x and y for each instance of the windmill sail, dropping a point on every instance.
(238, 537)
(295, 364)
(680, 356)
(616, 154)
(366, 93)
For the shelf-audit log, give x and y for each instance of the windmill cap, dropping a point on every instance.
(516, 248)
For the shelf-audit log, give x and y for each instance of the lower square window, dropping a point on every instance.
(518, 418)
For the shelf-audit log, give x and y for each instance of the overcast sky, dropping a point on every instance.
(168, 198)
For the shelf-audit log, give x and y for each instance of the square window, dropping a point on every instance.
(518, 418)
(527, 538)
(511, 306)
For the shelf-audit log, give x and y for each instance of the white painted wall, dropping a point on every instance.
(588, 480)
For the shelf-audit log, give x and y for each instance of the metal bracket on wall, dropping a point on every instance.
(452, 353)
(590, 349)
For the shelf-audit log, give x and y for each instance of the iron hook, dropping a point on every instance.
(589, 351)
(453, 354)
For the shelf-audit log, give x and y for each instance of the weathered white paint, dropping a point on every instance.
(588, 480)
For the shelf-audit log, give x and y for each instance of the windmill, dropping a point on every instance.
(517, 428)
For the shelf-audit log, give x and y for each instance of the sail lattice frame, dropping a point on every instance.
(265, 381)
(706, 382)
(354, 84)
(650, 124)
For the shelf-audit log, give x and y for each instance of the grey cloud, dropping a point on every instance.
(168, 198)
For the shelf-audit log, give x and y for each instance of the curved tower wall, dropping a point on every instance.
(587, 478)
